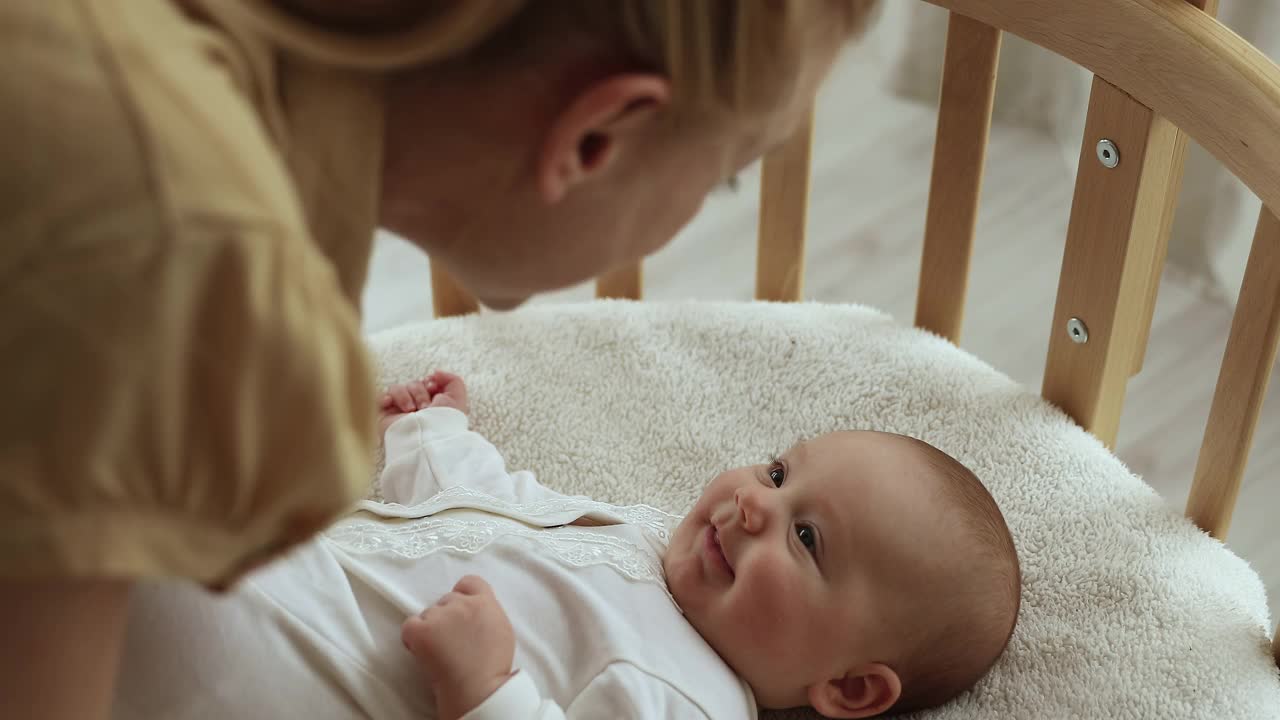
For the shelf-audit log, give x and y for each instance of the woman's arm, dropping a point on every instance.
(62, 641)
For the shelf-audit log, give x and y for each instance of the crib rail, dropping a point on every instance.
(1242, 384)
(1121, 214)
(447, 297)
(1114, 253)
(784, 203)
(1227, 94)
(1178, 156)
(1227, 97)
(625, 283)
(959, 156)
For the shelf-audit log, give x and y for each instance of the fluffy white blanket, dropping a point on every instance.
(1128, 610)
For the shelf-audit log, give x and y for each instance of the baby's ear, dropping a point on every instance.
(863, 692)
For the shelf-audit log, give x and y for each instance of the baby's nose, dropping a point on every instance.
(752, 507)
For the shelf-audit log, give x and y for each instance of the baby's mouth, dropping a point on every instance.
(717, 550)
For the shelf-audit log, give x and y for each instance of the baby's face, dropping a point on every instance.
(790, 569)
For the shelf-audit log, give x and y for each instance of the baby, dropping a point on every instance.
(859, 573)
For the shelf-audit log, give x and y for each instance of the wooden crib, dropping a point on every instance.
(1164, 71)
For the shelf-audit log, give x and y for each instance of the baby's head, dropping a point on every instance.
(860, 572)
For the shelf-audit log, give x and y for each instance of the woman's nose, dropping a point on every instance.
(753, 507)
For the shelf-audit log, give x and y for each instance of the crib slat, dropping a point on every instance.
(784, 198)
(1176, 147)
(625, 283)
(447, 297)
(964, 124)
(1178, 156)
(1242, 384)
(1112, 246)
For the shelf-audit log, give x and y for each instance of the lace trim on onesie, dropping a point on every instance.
(656, 521)
(570, 545)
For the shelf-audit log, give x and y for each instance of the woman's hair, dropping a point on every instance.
(721, 56)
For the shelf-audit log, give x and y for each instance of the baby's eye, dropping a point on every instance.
(807, 536)
(777, 474)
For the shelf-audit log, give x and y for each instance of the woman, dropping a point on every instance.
(191, 189)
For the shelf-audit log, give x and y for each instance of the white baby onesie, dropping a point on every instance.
(317, 634)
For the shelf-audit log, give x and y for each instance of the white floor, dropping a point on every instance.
(873, 156)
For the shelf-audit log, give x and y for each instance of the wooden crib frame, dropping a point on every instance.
(1164, 70)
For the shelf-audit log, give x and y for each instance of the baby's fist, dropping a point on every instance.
(448, 390)
(465, 644)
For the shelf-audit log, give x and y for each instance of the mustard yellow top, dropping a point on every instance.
(186, 214)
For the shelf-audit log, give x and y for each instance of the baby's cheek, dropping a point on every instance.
(772, 598)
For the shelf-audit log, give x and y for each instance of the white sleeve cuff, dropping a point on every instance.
(438, 419)
(517, 698)
(406, 434)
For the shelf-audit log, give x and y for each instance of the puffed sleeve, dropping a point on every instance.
(185, 390)
(432, 450)
(187, 412)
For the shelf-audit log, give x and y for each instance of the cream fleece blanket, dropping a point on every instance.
(1128, 610)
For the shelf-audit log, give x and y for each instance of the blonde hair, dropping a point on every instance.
(735, 56)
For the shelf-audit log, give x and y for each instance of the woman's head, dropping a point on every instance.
(550, 141)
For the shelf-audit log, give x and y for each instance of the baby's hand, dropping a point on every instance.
(448, 390)
(465, 644)
(439, 389)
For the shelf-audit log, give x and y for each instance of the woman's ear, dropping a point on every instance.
(862, 692)
(585, 136)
